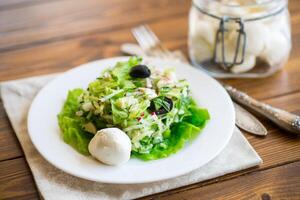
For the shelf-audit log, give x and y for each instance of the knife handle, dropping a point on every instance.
(284, 119)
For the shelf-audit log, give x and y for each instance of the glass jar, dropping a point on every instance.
(239, 38)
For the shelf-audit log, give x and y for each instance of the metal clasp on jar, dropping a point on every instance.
(238, 57)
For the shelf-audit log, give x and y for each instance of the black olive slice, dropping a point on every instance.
(140, 71)
(164, 106)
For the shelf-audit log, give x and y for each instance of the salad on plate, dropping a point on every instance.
(131, 110)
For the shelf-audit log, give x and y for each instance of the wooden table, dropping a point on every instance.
(41, 37)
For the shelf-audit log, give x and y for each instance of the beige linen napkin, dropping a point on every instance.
(55, 184)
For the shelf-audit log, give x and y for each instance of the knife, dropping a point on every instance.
(244, 119)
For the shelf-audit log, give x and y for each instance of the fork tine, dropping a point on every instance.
(145, 41)
(152, 34)
(158, 43)
(157, 48)
(146, 38)
(151, 39)
(141, 33)
(150, 43)
(140, 38)
(154, 38)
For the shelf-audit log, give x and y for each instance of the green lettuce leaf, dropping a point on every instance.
(71, 125)
(198, 117)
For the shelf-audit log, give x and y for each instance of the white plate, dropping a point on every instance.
(45, 133)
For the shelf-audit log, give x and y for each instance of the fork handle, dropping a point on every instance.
(284, 119)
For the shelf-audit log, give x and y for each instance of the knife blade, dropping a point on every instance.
(244, 119)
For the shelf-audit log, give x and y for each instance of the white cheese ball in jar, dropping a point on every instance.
(265, 26)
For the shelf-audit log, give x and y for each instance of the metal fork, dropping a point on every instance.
(153, 47)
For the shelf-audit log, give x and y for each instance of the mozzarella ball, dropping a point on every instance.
(200, 49)
(111, 146)
(277, 49)
(202, 36)
(280, 23)
(256, 36)
(248, 64)
(206, 31)
(249, 59)
(229, 51)
(233, 11)
(193, 19)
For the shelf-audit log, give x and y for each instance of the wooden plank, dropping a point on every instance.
(277, 183)
(9, 145)
(282, 182)
(16, 181)
(81, 17)
(59, 56)
(58, 19)
(14, 3)
(278, 140)
(17, 4)
(62, 55)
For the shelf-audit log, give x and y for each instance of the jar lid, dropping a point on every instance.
(248, 10)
